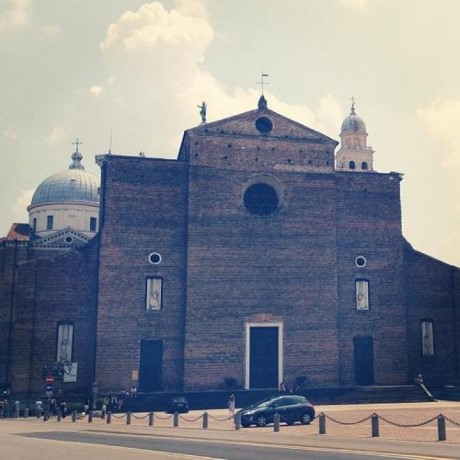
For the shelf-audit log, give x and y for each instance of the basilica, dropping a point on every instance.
(265, 253)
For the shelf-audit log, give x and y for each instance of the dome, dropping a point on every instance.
(353, 122)
(72, 185)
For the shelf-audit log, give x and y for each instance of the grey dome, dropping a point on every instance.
(353, 122)
(72, 185)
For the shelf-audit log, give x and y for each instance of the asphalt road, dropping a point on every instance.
(33, 439)
(218, 450)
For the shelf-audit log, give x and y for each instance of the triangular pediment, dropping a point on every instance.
(67, 238)
(260, 123)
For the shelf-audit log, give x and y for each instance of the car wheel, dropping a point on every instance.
(306, 418)
(261, 420)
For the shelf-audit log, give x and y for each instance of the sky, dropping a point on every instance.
(128, 75)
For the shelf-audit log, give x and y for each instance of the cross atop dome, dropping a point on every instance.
(76, 156)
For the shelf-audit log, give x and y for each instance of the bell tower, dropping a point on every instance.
(354, 154)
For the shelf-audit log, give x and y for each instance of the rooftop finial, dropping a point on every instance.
(262, 82)
(353, 101)
(262, 104)
(76, 156)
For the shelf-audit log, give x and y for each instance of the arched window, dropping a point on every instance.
(154, 293)
(364, 166)
(362, 294)
(427, 337)
(64, 342)
(352, 165)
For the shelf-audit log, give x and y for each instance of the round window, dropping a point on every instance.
(154, 258)
(264, 125)
(261, 199)
(360, 261)
(68, 239)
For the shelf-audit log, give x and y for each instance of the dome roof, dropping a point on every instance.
(353, 122)
(71, 185)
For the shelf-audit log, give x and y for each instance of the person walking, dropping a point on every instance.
(231, 405)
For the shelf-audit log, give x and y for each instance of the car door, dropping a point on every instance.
(291, 410)
(281, 407)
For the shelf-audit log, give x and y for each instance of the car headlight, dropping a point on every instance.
(249, 412)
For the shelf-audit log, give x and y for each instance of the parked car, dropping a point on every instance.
(291, 408)
(178, 404)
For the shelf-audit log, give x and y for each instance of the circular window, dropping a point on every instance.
(360, 261)
(261, 199)
(68, 239)
(264, 125)
(154, 258)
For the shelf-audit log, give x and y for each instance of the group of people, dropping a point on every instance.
(283, 388)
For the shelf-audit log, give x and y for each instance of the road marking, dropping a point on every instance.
(294, 447)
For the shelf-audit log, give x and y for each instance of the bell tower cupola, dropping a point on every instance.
(354, 154)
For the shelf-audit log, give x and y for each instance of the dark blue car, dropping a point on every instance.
(291, 409)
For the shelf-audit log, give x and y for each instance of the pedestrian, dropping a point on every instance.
(231, 405)
(38, 408)
(283, 388)
(63, 409)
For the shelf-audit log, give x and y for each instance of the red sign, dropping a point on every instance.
(50, 379)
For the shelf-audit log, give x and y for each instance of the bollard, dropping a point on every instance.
(322, 423)
(176, 419)
(46, 416)
(150, 418)
(128, 418)
(90, 417)
(441, 428)
(205, 420)
(375, 426)
(74, 416)
(26, 412)
(237, 418)
(108, 418)
(59, 416)
(276, 423)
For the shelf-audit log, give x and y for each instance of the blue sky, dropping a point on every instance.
(138, 70)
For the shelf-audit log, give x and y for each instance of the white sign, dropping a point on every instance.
(70, 372)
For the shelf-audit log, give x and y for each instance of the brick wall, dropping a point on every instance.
(145, 211)
(432, 293)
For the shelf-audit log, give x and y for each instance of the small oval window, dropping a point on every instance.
(154, 258)
(360, 261)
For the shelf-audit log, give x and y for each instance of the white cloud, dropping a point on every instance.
(96, 90)
(154, 58)
(50, 31)
(441, 120)
(57, 135)
(330, 116)
(152, 25)
(11, 134)
(16, 16)
(20, 206)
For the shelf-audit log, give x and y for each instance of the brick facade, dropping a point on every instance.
(225, 270)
